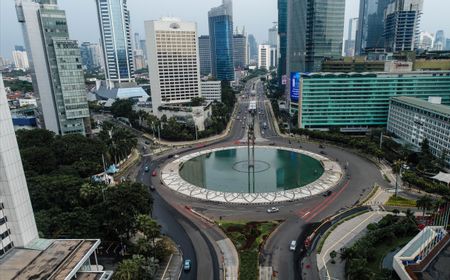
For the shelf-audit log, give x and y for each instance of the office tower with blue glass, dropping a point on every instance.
(282, 39)
(114, 20)
(369, 36)
(57, 75)
(252, 48)
(221, 37)
(401, 26)
(204, 51)
(315, 32)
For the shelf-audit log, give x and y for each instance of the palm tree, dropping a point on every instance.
(424, 203)
(119, 141)
(127, 270)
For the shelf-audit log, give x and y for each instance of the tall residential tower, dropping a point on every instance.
(221, 37)
(114, 20)
(17, 225)
(57, 74)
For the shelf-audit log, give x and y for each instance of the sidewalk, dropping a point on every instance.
(172, 268)
(343, 236)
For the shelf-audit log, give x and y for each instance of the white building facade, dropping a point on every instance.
(174, 66)
(20, 60)
(267, 57)
(17, 225)
(211, 90)
(413, 120)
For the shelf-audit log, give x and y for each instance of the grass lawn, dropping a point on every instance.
(400, 201)
(248, 237)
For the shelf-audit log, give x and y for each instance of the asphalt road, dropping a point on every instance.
(361, 174)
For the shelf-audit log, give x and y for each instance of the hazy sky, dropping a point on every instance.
(256, 15)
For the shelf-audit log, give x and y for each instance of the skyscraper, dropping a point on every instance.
(221, 37)
(282, 40)
(173, 62)
(20, 59)
(252, 48)
(439, 41)
(315, 31)
(349, 44)
(114, 20)
(426, 40)
(273, 35)
(371, 25)
(240, 50)
(401, 27)
(91, 56)
(17, 225)
(57, 74)
(204, 50)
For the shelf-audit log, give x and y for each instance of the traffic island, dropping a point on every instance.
(248, 239)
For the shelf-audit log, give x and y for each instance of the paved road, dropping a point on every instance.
(362, 174)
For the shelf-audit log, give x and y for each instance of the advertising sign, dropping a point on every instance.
(295, 86)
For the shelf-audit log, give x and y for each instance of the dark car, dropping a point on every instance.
(147, 169)
(321, 146)
(328, 193)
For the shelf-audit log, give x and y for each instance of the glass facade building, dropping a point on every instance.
(401, 27)
(114, 19)
(58, 76)
(204, 51)
(282, 39)
(357, 101)
(370, 25)
(315, 31)
(220, 21)
(240, 50)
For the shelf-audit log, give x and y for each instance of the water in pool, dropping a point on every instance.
(274, 170)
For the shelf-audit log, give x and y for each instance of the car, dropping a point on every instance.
(293, 245)
(154, 173)
(147, 169)
(273, 210)
(176, 156)
(147, 142)
(170, 156)
(323, 153)
(321, 146)
(272, 144)
(152, 188)
(328, 193)
(187, 265)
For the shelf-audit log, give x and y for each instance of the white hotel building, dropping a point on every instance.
(174, 66)
(413, 120)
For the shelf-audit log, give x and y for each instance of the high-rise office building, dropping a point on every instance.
(267, 57)
(252, 48)
(439, 41)
(114, 20)
(20, 59)
(349, 44)
(91, 56)
(401, 27)
(174, 65)
(447, 44)
(204, 50)
(273, 35)
(315, 31)
(143, 46)
(240, 51)
(137, 40)
(17, 225)
(220, 21)
(370, 25)
(426, 40)
(282, 40)
(57, 74)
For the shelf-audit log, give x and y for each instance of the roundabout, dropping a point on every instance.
(226, 175)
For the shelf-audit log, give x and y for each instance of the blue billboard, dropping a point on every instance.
(295, 86)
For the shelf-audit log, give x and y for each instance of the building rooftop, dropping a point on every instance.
(416, 102)
(57, 261)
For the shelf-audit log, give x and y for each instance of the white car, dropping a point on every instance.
(273, 210)
(293, 245)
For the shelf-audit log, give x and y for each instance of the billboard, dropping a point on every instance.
(295, 86)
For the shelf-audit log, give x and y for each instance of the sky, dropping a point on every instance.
(256, 15)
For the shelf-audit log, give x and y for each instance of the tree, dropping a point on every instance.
(197, 101)
(138, 267)
(122, 108)
(424, 203)
(333, 255)
(34, 138)
(119, 141)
